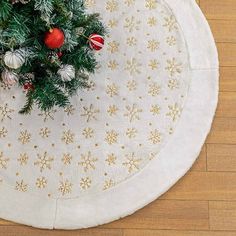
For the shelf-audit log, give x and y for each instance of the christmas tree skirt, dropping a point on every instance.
(125, 140)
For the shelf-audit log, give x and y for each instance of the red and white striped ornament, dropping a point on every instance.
(96, 42)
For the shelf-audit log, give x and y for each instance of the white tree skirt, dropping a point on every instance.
(129, 138)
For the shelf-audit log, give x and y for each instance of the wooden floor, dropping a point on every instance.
(203, 203)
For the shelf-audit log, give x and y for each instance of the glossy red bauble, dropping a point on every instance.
(96, 42)
(54, 38)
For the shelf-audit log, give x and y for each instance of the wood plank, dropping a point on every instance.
(200, 164)
(227, 105)
(223, 131)
(222, 215)
(221, 157)
(204, 186)
(28, 231)
(164, 214)
(227, 54)
(218, 9)
(227, 79)
(224, 30)
(133, 232)
(6, 222)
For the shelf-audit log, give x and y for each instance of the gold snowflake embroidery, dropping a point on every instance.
(131, 132)
(154, 89)
(68, 137)
(24, 137)
(152, 21)
(173, 84)
(132, 24)
(155, 109)
(131, 85)
(48, 115)
(171, 40)
(153, 64)
(155, 136)
(174, 111)
(133, 112)
(151, 4)
(113, 64)
(170, 23)
(132, 162)
(129, 2)
(90, 113)
(87, 161)
(108, 184)
(112, 90)
(111, 137)
(21, 186)
(67, 158)
(153, 45)
(88, 133)
(89, 3)
(44, 132)
(173, 67)
(3, 132)
(112, 110)
(3, 161)
(23, 159)
(131, 41)
(112, 23)
(69, 110)
(111, 159)
(112, 6)
(5, 112)
(133, 66)
(65, 187)
(41, 182)
(44, 161)
(85, 183)
(113, 47)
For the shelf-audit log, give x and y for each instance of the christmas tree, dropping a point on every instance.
(47, 48)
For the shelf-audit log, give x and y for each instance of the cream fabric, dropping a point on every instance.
(128, 138)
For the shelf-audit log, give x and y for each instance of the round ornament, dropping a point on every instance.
(9, 77)
(54, 38)
(67, 72)
(96, 42)
(14, 59)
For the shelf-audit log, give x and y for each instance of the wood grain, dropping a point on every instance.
(203, 203)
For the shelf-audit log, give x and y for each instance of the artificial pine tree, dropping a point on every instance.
(47, 48)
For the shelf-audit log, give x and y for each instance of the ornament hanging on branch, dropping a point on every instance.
(67, 72)
(14, 60)
(54, 38)
(96, 42)
(9, 78)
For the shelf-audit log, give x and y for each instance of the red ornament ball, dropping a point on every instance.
(96, 42)
(59, 54)
(54, 38)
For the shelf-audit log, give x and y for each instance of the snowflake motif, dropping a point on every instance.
(67, 158)
(153, 64)
(5, 112)
(132, 85)
(112, 6)
(112, 90)
(65, 187)
(132, 24)
(48, 115)
(21, 186)
(131, 132)
(155, 109)
(152, 21)
(91, 86)
(112, 65)
(111, 159)
(154, 89)
(111, 137)
(174, 112)
(132, 163)
(112, 110)
(151, 4)
(89, 3)
(131, 41)
(90, 113)
(133, 66)
(153, 45)
(133, 112)
(173, 67)
(23, 159)
(88, 133)
(112, 23)
(85, 183)
(44, 161)
(44, 132)
(173, 84)
(24, 137)
(108, 184)
(87, 162)
(69, 110)
(155, 136)
(3, 132)
(170, 23)
(41, 182)
(67, 137)
(129, 2)
(113, 47)
(171, 41)
(3, 161)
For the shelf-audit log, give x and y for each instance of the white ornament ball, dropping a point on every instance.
(9, 78)
(67, 72)
(14, 60)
